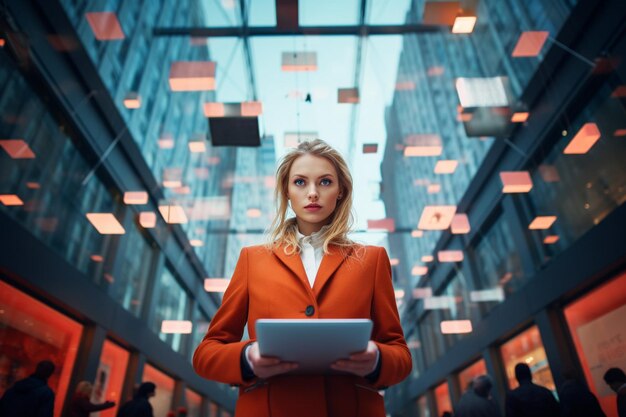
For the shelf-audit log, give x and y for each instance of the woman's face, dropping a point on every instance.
(313, 191)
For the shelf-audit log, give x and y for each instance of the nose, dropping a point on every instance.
(313, 193)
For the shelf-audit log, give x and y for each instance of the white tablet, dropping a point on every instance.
(313, 343)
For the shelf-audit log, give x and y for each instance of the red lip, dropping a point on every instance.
(313, 206)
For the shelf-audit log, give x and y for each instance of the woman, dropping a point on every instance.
(81, 405)
(310, 269)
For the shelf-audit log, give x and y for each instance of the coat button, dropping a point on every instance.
(310, 310)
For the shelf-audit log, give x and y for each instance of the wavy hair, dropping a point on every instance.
(283, 231)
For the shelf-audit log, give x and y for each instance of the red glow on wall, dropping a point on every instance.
(113, 364)
(442, 398)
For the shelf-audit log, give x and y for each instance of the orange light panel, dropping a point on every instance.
(419, 270)
(348, 95)
(251, 108)
(176, 326)
(132, 101)
(17, 148)
(97, 258)
(550, 239)
(394, 261)
(530, 43)
(450, 256)
(11, 200)
(382, 224)
(586, 137)
(456, 326)
(446, 166)
(417, 233)
(33, 185)
(464, 24)
(519, 117)
(619, 133)
(2, 42)
(147, 219)
(425, 292)
(105, 26)
(399, 293)
(299, 61)
(135, 197)
(423, 145)
(215, 284)
(491, 294)
(196, 243)
(427, 258)
(460, 224)
(214, 109)
(542, 222)
(253, 213)
(197, 146)
(516, 181)
(105, 223)
(439, 303)
(173, 213)
(192, 76)
(436, 217)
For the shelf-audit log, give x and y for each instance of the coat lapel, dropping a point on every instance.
(330, 263)
(294, 263)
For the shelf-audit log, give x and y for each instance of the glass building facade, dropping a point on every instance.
(117, 201)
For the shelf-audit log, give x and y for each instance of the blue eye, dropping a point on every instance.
(326, 181)
(299, 181)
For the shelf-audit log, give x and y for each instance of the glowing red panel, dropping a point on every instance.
(425, 292)
(460, 224)
(147, 219)
(450, 256)
(348, 95)
(423, 145)
(214, 109)
(516, 181)
(135, 197)
(216, 284)
(586, 137)
(446, 166)
(176, 326)
(2, 42)
(106, 223)
(192, 76)
(542, 222)
(530, 43)
(417, 233)
(382, 224)
(436, 217)
(456, 326)
(33, 185)
(97, 258)
(173, 213)
(550, 239)
(251, 108)
(519, 117)
(17, 148)
(105, 26)
(619, 133)
(464, 24)
(419, 270)
(11, 200)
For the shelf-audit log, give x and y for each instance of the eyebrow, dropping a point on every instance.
(320, 177)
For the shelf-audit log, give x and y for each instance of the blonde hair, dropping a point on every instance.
(84, 388)
(283, 231)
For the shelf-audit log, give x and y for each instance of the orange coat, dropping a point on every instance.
(270, 284)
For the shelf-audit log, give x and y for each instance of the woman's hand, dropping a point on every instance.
(361, 364)
(265, 367)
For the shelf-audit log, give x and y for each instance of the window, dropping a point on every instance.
(468, 374)
(162, 401)
(194, 403)
(442, 396)
(110, 377)
(171, 303)
(596, 323)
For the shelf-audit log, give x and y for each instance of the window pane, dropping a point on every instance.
(527, 347)
(170, 304)
(442, 396)
(200, 326)
(194, 403)
(110, 377)
(466, 376)
(162, 401)
(596, 323)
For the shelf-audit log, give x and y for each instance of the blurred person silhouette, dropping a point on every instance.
(139, 406)
(616, 379)
(576, 400)
(529, 399)
(446, 414)
(476, 401)
(30, 397)
(81, 404)
(182, 412)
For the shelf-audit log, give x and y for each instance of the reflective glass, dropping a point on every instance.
(581, 190)
(467, 375)
(328, 12)
(161, 402)
(170, 303)
(200, 326)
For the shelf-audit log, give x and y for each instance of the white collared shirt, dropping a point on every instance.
(311, 252)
